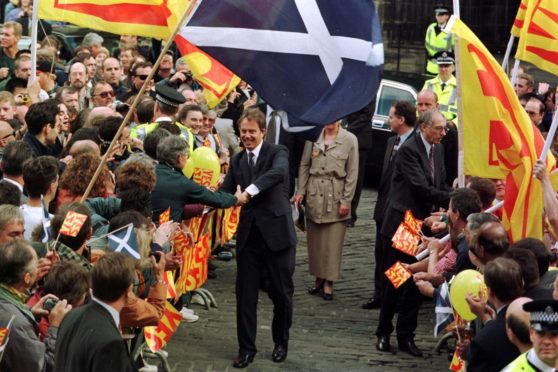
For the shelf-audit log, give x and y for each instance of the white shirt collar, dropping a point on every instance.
(14, 182)
(427, 144)
(256, 151)
(537, 362)
(112, 311)
(163, 118)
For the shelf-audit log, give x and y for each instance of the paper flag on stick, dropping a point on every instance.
(124, 241)
(405, 240)
(398, 274)
(412, 223)
(165, 216)
(73, 223)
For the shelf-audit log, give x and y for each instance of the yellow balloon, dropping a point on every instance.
(188, 169)
(206, 168)
(467, 282)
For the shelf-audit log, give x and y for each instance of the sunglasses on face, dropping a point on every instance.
(9, 135)
(142, 77)
(106, 94)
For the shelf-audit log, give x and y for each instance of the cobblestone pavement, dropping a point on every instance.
(325, 336)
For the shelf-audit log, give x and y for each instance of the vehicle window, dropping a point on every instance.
(388, 95)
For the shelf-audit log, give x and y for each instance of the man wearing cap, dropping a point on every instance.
(444, 85)
(167, 101)
(437, 41)
(544, 336)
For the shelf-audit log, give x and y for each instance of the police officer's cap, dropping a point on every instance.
(441, 9)
(544, 315)
(444, 58)
(168, 96)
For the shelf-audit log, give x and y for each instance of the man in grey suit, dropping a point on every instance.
(418, 184)
(266, 238)
(402, 117)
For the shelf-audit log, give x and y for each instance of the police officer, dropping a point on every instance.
(444, 85)
(437, 41)
(167, 101)
(544, 336)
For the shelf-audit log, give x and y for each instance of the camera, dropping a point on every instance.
(49, 304)
(121, 107)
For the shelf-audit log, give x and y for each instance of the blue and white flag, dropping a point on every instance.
(46, 234)
(317, 60)
(124, 241)
(443, 309)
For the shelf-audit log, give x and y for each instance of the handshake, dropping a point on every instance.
(242, 197)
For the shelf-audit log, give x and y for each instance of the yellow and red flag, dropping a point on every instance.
(457, 364)
(165, 216)
(217, 80)
(148, 18)
(182, 246)
(412, 223)
(538, 40)
(72, 223)
(157, 337)
(228, 223)
(398, 274)
(499, 139)
(519, 18)
(168, 277)
(405, 240)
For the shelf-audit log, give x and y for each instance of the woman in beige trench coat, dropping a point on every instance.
(326, 181)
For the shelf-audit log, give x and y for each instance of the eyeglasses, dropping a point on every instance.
(142, 77)
(9, 135)
(106, 94)
(531, 113)
(444, 128)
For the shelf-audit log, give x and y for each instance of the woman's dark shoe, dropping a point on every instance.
(328, 296)
(315, 291)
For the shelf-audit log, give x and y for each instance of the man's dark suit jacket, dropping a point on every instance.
(270, 210)
(412, 186)
(490, 349)
(89, 341)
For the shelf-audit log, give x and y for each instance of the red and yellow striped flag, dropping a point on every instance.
(519, 18)
(72, 223)
(538, 39)
(157, 337)
(217, 80)
(499, 139)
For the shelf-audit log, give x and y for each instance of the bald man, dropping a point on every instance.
(518, 323)
(7, 134)
(85, 146)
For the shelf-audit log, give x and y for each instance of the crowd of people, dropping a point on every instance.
(67, 299)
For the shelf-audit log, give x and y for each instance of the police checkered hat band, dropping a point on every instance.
(544, 315)
(162, 99)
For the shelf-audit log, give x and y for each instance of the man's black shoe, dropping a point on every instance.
(372, 303)
(383, 344)
(242, 360)
(409, 347)
(279, 353)
(351, 223)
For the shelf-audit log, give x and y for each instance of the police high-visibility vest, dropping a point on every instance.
(141, 131)
(520, 364)
(447, 98)
(434, 44)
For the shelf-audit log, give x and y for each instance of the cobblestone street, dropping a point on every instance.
(325, 336)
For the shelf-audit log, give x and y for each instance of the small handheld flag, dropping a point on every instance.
(73, 223)
(124, 241)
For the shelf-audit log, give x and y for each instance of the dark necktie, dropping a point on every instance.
(395, 147)
(252, 164)
(443, 86)
(432, 166)
(271, 130)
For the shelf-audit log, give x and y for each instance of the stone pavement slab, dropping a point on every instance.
(325, 336)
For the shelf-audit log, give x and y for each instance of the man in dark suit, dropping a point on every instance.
(490, 349)
(89, 338)
(402, 117)
(417, 185)
(266, 237)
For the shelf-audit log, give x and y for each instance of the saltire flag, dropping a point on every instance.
(499, 140)
(538, 40)
(165, 216)
(317, 60)
(157, 337)
(148, 18)
(72, 223)
(398, 274)
(217, 80)
(124, 241)
(46, 233)
(519, 18)
(443, 309)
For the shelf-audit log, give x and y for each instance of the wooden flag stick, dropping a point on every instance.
(187, 13)
(107, 234)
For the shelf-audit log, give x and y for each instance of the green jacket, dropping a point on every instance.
(102, 210)
(174, 190)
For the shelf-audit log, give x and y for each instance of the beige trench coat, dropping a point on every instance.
(328, 178)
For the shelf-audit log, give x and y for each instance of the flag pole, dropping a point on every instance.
(34, 23)
(549, 137)
(508, 52)
(461, 154)
(514, 72)
(189, 11)
(107, 234)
